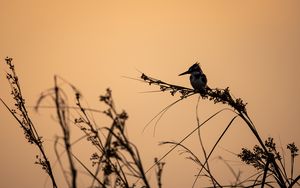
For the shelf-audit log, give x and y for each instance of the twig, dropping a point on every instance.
(22, 117)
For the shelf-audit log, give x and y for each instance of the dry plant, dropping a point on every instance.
(20, 113)
(116, 160)
(271, 169)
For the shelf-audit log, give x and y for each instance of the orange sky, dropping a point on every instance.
(251, 47)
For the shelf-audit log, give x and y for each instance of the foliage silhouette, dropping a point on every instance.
(265, 157)
(116, 160)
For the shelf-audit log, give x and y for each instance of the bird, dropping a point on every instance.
(197, 78)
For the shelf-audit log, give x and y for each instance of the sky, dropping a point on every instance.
(252, 47)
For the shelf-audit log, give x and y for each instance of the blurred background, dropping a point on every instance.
(250, 46)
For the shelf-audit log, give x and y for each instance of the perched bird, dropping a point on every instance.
(197, 78)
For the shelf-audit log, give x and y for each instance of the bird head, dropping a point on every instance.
(193, 69)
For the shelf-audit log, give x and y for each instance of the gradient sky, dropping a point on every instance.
(250, 46)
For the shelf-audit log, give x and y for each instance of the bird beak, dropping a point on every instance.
(186, 72)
